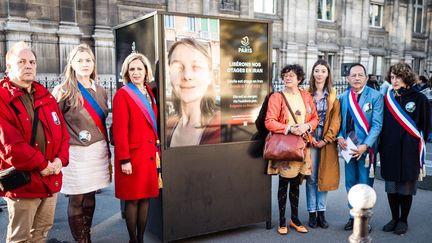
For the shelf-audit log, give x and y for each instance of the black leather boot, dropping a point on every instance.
(76, 224)
(88, 218)
(322, 221)
(313, 220)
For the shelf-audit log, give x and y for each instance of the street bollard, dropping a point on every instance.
(362, 198)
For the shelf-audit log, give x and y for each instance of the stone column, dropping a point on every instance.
(17, 27)
(68, 32)
(104, 41)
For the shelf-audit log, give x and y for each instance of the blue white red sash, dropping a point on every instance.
(360, 120)
(407, 123)
(144, 105)
(357, 114)
(94, 110)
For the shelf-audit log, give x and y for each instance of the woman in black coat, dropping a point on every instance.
(406, 125)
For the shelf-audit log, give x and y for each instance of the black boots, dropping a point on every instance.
(88, 218)
(313, 220)
(321, 220)
(76, 224)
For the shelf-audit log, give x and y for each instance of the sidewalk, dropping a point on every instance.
(109, 227)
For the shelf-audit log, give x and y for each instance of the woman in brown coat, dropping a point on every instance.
(325, 162)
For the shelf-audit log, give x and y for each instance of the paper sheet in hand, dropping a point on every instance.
(346, 153)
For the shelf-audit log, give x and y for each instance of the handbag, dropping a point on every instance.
(11, 178)
(288, 147)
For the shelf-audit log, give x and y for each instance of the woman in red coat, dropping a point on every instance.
(136, 143)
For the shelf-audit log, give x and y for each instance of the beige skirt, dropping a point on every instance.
(87, 170)
(290, 169)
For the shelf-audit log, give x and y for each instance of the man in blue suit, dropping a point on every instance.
(362, 117)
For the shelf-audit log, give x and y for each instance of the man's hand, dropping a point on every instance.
(342, 143)
(357, 153)
(49, 170)
(57, 163)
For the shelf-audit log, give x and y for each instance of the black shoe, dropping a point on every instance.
(390, 226)
(313, 220)
(349, 224)
(401, 228)
(321, 220)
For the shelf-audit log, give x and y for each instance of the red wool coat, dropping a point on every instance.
(135, 140)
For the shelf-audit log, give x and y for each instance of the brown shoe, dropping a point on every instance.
(298, 228)
(283, 230)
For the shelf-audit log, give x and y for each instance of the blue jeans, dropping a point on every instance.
(356, 173)
(316, 201)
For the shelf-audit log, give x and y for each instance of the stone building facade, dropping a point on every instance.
(376, 33)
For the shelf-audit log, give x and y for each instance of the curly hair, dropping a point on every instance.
(297, 69)
(404, 72)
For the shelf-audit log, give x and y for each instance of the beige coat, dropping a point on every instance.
(328, 171)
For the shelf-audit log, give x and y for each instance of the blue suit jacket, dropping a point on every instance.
(372, 104)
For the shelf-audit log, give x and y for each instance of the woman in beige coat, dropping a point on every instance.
(325, 163)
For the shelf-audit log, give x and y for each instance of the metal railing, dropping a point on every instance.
(107, 82)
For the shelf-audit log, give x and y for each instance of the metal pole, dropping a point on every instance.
(361, 226)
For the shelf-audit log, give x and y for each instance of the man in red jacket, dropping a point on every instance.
(31, 206)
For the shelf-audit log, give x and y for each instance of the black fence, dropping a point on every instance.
(107, 82)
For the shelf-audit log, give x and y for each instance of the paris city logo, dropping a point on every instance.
(245, 48)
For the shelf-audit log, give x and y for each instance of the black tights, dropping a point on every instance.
(136, 218)
(82, 204)
(403, 202)
(294, 193)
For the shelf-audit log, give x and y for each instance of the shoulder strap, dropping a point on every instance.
(289, 107)
(35, 125)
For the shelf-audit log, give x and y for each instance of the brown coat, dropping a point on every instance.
(328, 171)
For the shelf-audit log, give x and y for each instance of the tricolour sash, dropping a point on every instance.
(148, 112)
(409, 125)
(360, 119)
(94, 110)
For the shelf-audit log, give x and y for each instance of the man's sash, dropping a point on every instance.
(148, 112)
(94, 110)
(360, 119)
(409, 125)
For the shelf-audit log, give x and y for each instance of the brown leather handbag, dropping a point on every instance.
(288, 147)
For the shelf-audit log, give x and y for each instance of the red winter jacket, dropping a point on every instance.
(15, 133)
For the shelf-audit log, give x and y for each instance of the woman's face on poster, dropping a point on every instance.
(189, 73)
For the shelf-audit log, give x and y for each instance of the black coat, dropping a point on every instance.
(399, 151)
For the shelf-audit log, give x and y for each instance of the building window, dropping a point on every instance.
(264, 6)
(375, 15)
(375, 66)
(209, 29)
(169, 21)
(231, 5)
(418, 16)
(191, 24)
(325, 10)
(418, 66)
(329, 57)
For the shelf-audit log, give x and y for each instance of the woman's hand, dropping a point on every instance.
(320, 144)
(299, 129)
(127, 168)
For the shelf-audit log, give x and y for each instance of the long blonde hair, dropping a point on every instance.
(68, 89)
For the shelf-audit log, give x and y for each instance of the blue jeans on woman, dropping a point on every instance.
(316, 201)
